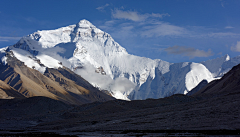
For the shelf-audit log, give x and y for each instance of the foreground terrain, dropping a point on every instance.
(178, 112)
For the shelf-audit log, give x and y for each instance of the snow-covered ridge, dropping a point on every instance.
(94, 55)
(198, 72)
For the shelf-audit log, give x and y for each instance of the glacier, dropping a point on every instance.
(93, 54)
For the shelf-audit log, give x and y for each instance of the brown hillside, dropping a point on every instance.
(7, 92)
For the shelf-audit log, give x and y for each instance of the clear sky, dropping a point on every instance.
(171, 30)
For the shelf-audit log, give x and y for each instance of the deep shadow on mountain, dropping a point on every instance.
(214, 108)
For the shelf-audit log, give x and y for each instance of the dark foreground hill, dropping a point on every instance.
(178, 112)
(213, 108)
(228, 84)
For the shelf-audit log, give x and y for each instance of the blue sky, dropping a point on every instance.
(171, 30)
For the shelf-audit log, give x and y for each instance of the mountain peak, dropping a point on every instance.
(84, 21)
(227, 57)
(85, 24)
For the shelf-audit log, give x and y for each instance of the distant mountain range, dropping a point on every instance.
(53, 63)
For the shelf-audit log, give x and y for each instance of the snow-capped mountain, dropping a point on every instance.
(95, 56)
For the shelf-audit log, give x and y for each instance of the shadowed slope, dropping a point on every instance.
(7, 92)
(202, 84)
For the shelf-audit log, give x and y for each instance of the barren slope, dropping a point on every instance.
(7, 92)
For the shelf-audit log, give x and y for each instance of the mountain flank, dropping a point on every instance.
(30, 82)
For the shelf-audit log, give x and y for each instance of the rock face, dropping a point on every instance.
(20, 81)
(93, 54)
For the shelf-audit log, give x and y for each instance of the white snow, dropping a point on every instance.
(119, 95)
(28, 59)
(32, 61)
(49, 61)
(2, 55)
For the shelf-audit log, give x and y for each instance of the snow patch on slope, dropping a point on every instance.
(28, 59)
(39, 62)
(48, 61)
